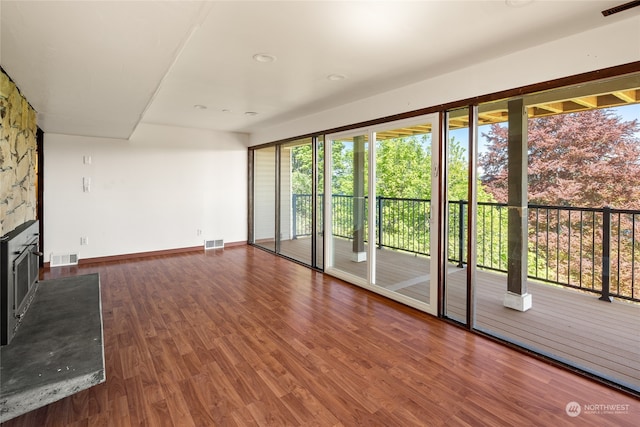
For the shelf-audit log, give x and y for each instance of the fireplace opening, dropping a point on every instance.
(19, 267)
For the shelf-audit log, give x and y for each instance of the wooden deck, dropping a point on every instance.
(572, 326)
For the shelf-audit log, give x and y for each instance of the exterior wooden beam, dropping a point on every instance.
(517, 205)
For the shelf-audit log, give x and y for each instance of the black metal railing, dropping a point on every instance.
(595, 250)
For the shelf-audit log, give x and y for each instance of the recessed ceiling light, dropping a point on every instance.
(250, 113)
(264, 57)
(336, 77)
(200, 107)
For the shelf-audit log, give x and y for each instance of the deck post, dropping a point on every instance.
(461, 234)
(517, 296)
(380, 221)
(359, 254)
(606, 255)
(294, 216)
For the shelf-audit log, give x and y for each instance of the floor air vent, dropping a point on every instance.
(213, 244)
(63, 259)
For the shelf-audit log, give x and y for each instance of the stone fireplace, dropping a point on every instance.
(18, 157)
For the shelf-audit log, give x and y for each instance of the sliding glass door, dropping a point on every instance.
(346, 200)
(264, 202)
(381, 207)
(484, 215)
(461, 152)
(286, 205)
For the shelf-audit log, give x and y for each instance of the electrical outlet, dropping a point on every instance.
(199, 232)
(84, 241)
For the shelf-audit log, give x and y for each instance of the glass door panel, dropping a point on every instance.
(555, 267)
(319, 226)
(405, 218)
(264, 192)
(458, 208)
(346, 212)
(296, 200)
(384, 237)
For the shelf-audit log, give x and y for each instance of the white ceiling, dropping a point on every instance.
(98, 68)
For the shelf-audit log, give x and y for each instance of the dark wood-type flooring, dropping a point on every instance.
(569, 325)
(241, 337)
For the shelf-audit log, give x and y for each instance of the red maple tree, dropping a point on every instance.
(587, 159)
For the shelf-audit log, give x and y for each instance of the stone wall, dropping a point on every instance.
(18, 157)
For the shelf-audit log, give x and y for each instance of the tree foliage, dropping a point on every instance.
(403, 167)
(587, 159)
(301, 169)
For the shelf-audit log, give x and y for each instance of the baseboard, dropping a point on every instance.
(135, 255)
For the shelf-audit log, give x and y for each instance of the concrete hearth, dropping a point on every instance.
(58, 349)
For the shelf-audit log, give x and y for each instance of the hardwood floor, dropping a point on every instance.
(242, 337)
(564, 323)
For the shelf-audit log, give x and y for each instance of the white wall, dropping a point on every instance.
(603, 47)
(152, 192)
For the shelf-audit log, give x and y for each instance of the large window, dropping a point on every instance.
(519, 219)
(380, 209)
(300, 192)
(287, 189)
(264, 193)
(563, 184)
(458, 207)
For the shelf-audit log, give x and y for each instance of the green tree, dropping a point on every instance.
(302, 164)
(403, 167)
(342, 167)
(301, 169)
(403, 171)
(458, 175)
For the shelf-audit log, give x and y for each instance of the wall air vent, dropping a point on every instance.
(213, 244)
(59, 260)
